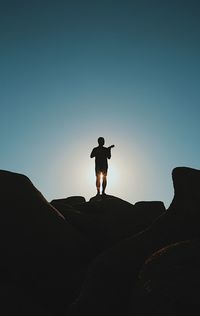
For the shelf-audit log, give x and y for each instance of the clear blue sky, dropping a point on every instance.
(71, 71)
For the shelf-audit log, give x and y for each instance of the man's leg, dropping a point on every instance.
(98, 176)
(104, 182)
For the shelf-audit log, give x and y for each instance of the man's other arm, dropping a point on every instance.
(93, 154)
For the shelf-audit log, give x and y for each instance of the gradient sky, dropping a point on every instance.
(71, 71)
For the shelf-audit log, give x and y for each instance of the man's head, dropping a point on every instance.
(101, 141)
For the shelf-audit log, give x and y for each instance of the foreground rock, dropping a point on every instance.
(41, 254)
(170, 281)
(140, 256)
(111, 286)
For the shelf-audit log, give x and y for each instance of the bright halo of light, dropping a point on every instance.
(113, 177)
(75, 174)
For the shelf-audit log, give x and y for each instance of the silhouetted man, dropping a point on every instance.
(101, 154)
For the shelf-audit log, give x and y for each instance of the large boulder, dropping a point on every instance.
(111, 286)
(41, 253)
(186, 184)
(106, 221)
(186, 199)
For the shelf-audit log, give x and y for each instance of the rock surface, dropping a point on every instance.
(70, 201)
(103, 257)
(111, 286)
(40, 251)
(170, 278)
(108, 220)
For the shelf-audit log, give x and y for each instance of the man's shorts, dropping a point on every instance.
(98, 172)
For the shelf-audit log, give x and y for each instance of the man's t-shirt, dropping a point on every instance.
(101, 155)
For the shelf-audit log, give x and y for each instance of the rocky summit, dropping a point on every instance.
(101, 257)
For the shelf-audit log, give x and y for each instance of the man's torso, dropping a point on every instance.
(101, 155)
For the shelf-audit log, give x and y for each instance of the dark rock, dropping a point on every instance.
(186, 201)
(72, 201)
(40, 252)
(45, 251)
(186, 184)
(112, 277)
(170, 281)
(107, 220)
(16, 301)
(112, 280)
